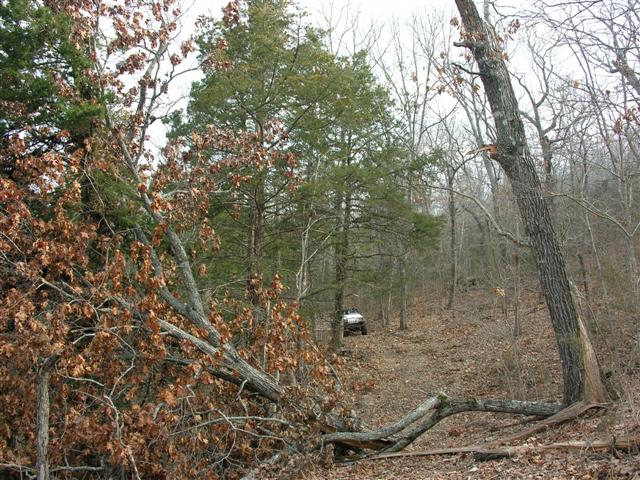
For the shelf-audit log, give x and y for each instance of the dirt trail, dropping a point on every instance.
(473, 355)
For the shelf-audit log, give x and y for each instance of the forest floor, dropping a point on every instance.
(471, 352)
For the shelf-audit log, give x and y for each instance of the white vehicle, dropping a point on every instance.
(353, 321)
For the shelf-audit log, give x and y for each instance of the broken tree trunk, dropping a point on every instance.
(581, 373)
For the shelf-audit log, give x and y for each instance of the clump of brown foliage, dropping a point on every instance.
(147, 379)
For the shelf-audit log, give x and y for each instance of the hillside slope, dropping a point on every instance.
(474, 354)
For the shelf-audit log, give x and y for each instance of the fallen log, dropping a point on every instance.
(426, 415)
(629, 444)
(569, 413)
(490, 450)
(518, 407)
(360, 439)
(613, 444)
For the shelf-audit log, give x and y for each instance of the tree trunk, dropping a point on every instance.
(42, 417)
(381, 315)
(452, 246)
(517, 328)
(341, 253)
(389, 305)
(587, 292)
(632, 273)
(403, 294)
(235, 368)
(514, 157)
(428, 414)
(255, 243)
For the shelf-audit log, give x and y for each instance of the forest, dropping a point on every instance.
(190, 204)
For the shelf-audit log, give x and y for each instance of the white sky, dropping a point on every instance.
(374, 9)
(378, 11)
(368, 12)
(338, 13)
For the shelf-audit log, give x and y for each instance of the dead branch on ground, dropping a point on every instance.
(435, 409)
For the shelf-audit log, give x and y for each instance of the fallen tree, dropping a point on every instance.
(446, 407)
(438, 407)
(627, 444)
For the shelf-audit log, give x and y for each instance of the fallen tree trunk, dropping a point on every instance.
(542, 409)
(630, 443)
(574, 411)
(440, 406)
(360, 439)
(562, 416)
(482, 453)
(256, 380)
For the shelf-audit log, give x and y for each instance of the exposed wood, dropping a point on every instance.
(594, 389)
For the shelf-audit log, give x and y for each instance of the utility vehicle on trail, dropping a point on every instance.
(353, 321)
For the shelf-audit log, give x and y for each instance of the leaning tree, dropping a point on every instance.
(580, 369)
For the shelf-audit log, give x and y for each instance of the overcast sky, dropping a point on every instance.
(373, 9)
(377, 12)
(337, 13)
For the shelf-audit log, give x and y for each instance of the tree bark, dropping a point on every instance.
(516, 160)
(452, 244)
(517, 327)
(341, 253)
(429, 413)
(403, 294)
(255, 241)
(42, 417)
(256, 380)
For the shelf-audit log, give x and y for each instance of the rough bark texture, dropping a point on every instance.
(389, 430)
(403, 294)
(514, 157)
(254, 379)
(452, 245)
(452, 407)
(428, 414)
(42, 418)
(256, 237)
